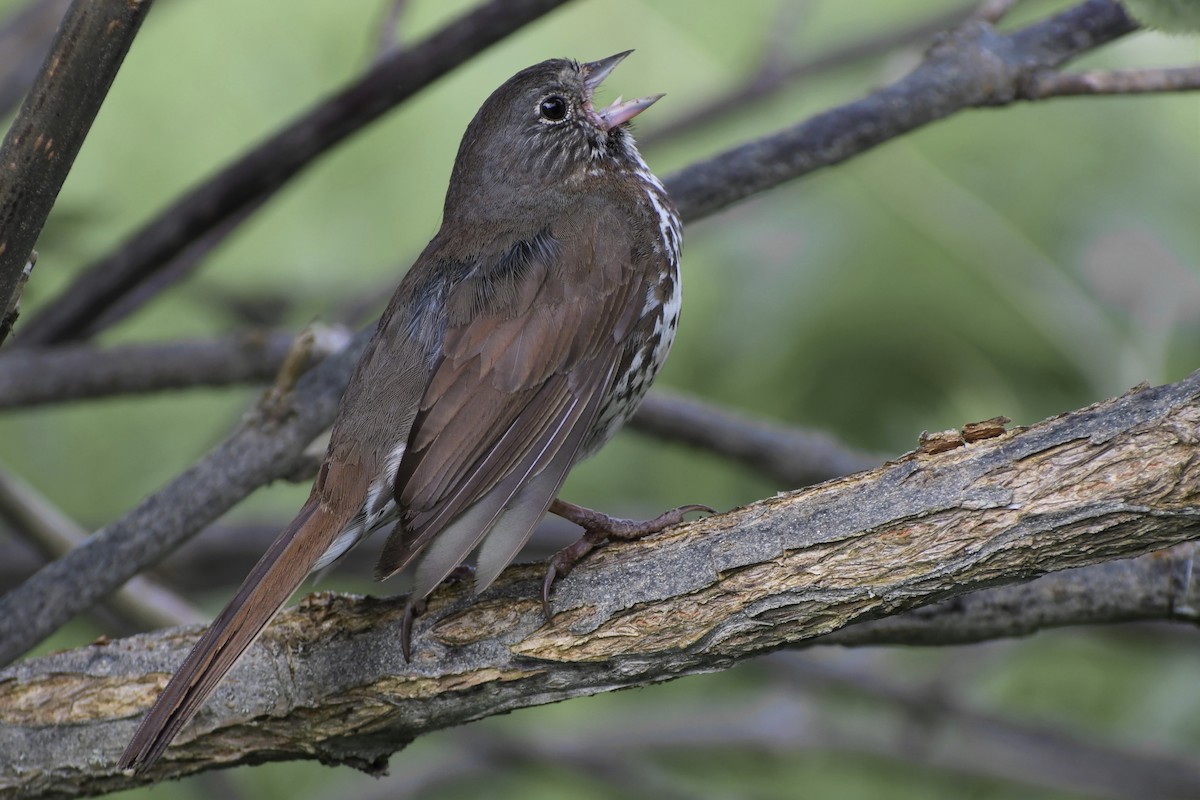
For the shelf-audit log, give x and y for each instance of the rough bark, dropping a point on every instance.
(327, 681)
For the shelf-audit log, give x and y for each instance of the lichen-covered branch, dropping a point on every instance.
(327, 681)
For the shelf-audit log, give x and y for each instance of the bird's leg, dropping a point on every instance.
(598, 527)
(415, 607)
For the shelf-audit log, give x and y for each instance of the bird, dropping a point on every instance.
(522, 338)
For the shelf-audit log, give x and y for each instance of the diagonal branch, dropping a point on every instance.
(975, 66)
(50, 127)
(773, 76)
(328, 681)
(269, 165)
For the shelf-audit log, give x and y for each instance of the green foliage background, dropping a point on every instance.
(1022, 261)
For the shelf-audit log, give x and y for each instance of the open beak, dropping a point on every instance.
(619, 111)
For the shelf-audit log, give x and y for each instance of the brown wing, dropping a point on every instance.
(528, 356)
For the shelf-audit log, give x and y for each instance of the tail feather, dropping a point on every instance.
(277, 575)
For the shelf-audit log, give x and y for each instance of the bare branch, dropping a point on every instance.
(971, 67)
(1158, 586)
(776, 74)
(50, 127)
(792, 456)
(990, 744)
(35, 376)
(142, 601)
(975, 66)
(1116, 479)
(269, 165)
(386, 40)
(1129, 81)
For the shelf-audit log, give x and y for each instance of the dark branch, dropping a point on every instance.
(32, 376)
(50, 127)
(271, 164)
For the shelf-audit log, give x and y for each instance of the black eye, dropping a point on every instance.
(553, 108)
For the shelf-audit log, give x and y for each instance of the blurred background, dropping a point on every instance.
(1023, 261)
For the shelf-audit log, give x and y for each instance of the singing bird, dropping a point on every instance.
(523, 337)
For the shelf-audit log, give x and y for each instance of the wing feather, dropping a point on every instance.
(523, 369)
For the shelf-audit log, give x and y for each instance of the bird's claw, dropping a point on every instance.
(597, 528)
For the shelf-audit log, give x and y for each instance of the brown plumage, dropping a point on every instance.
(522, 338)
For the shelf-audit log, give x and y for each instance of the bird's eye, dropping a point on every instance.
(553, 108)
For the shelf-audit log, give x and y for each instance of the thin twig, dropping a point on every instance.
(788, 455)
(50, 127)
(67, 373)
(1127, 81)
(387, 40)
(142, 602)
(776, 74)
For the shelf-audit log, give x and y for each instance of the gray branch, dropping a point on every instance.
(36, 375)
(327, 681)
(50, 127)
(31, 376)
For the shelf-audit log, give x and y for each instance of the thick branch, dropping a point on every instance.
(44, 139)
(328, 681)
(267, 167)
(975, 66)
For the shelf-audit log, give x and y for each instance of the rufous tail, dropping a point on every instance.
(274, 578)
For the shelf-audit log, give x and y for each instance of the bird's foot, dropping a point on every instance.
(597, 528)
